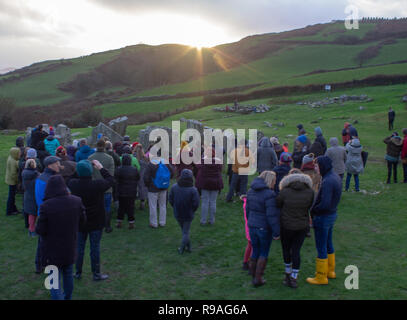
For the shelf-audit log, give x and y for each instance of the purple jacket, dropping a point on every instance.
(209, 176)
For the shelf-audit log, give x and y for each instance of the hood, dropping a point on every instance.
(265, 143)
(70, 150)
(50, 137)
(56, 187)
(324, 164)
(398, 141)
(84, 168)
(334, 142)
(20, 142)
(186, 179)
(126, 160)
(355, 143)
(318, 131)
(258, 184)
(296, 182)
(85, 149)
(15, 153)
(282, 169)
(302, 138)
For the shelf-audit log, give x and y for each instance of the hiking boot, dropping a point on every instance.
(293, 283)
(252, 267)
(188, 248)
(100, 277)
(245, 266)
(287, 280)
(181, 250)
(258, 277)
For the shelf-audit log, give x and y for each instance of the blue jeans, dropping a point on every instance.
(94, 238)
(261, 242)
(323, 228)
(240, 180)
(65, 273)
(348, 177)
(108, 202)
(185, 227)
(11, 200)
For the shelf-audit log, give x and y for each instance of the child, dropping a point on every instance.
(248, 251)
(184, 198)
(29, 176)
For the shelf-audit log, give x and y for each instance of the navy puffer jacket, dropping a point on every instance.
(261, 208)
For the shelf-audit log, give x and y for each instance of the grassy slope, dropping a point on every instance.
(143, 264)
(42, 88)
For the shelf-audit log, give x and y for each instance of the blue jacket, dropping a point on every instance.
(51, 145)
(40, 185)
(83, 153)
(330, 192)
(261, 208)
(184, 198)
(281, 171)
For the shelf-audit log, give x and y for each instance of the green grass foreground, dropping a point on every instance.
(144, 263)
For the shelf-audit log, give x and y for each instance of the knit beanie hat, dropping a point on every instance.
(31, 153)
(285, 157)
(302, 139)
(308, 158)
(84, 168)
(61, 150)
(274, 140)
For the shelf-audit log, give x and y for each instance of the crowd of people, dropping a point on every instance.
(70, 192)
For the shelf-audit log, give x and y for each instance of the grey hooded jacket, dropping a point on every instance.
(338, 156)
(354, 162)
(266, 156)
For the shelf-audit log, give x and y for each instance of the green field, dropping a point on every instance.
(144, 264)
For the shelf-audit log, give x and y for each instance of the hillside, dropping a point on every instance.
(110, 81)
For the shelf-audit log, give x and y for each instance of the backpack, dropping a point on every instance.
(162, 177)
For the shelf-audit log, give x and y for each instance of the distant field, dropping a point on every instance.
(117, 109)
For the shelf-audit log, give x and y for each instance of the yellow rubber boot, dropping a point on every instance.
(321, 276)
(331, 266)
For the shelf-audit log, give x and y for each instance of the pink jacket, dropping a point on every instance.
(245, 219)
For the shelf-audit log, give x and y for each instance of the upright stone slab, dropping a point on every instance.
(103, 129)
(144, 137)
(119, 125)
(63, 134)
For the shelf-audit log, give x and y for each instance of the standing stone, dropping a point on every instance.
(119, 125)
(112, 135)
(63, 134)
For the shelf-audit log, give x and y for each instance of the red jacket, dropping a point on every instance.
(404, 150)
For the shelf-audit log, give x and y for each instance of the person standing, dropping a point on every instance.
(37, 135)
(209, 183)
(404, 155)
(266, 156)
(127, 178)
(184, 198)
(354, 163)
(282, 169)
(300, 150)
(157, 180)
(264, 223)
(42, 153)
(92, 193)
(278, 148)
(394, 147)
(324, 215)
(320, 138)
(338, 156)
(143, 161)
(392, 117)
(12, 180)
(295, 200)
(249, 248)
(308, 167)
(60, 217)
(68, 167)
(29, 176)
(239, 169)
(84, 151)
(51, 144)
(107, 163)
(52, 167)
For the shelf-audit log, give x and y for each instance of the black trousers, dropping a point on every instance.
(392, 166)
(126, 206)
(405, 172)
(291, 242)
(391, 127)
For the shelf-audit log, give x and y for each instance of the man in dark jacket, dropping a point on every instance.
(393, 151)
(37, 135)
(392, 116)
(92, 194)
(266, 156)
(324, 214)
(60, 217)
(127, 178)
(156, 196)
(184, 198)
(320, 138)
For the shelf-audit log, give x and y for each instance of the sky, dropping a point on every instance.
(38, 30)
